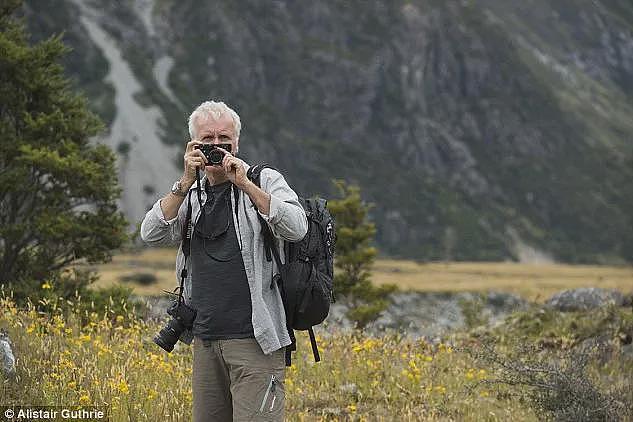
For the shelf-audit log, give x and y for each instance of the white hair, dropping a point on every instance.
(214, 110)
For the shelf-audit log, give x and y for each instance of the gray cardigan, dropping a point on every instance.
(287, 220)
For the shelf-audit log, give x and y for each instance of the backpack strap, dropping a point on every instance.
(315, 349)
(253, 173)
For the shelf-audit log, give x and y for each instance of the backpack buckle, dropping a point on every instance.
(275, 278)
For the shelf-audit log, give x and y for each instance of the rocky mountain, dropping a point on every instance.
(481, 130)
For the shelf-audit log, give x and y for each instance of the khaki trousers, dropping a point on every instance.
(233, 380)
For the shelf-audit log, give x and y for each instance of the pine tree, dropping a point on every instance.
(57, 191)
(355, 256)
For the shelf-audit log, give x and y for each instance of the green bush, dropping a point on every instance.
(70, 293)
(144, 279)
(558, 385)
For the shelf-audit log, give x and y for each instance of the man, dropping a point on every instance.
(239, 334)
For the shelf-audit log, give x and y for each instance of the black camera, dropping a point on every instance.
(213, 154)
(183, 317)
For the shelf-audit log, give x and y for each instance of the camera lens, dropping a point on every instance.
(183, 317)
(168, 335)
(216, 156)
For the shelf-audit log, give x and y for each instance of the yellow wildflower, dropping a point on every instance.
(123, 387)
(440, 389)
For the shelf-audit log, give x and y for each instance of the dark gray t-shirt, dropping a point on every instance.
(220, 291)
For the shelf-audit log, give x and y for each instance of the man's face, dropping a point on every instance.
(221, 131)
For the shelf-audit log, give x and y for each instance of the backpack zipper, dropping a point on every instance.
(269, 389)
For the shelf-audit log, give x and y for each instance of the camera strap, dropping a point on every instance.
(187, 231)
(186, 245)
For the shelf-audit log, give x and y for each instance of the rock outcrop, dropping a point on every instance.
(585, 298)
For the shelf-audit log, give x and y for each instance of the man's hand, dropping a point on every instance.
(234, 169)
(193, 158)
(236, 173)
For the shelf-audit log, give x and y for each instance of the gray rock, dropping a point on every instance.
(7, 359)
(424, 314)
(584, 298)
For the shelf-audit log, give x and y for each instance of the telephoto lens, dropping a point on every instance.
(183, 317)
(169, 334)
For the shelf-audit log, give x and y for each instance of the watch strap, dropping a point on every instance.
(177, 189)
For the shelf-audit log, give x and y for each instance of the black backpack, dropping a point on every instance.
(305, 279)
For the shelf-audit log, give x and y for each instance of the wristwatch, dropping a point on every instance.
(176, 189)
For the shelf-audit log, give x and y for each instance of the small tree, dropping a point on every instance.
(355, 256)
(48, 170)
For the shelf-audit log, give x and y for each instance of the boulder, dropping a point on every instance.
(7, 359)
(585, 298)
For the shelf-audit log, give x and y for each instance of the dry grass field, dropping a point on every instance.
(531, 281)
(535, 282)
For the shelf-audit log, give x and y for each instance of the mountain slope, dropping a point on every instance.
(481, 130)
